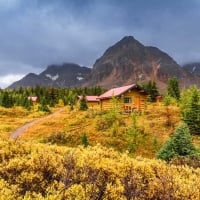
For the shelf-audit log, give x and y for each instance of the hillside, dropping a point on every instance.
(66, 127)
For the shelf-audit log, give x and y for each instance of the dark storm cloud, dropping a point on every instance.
(36, 33)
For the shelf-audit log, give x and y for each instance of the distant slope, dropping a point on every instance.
(65, 75)
(193, 68)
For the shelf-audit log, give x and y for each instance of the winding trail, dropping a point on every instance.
(15, 134)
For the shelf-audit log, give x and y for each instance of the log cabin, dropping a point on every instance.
(128, 99)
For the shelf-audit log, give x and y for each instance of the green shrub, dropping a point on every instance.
(179, 144)
(84, 140)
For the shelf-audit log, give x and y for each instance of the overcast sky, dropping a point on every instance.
(37, 33)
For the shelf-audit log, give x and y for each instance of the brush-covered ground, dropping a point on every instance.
(152, 127)
(48, 160)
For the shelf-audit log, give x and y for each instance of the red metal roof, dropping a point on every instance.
(90, 98)
(114, 92)
(33, 98)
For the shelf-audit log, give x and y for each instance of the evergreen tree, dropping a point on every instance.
(43, 106)
(72, 99)
(84, 140)
(83, 103)
(7, 100)
(52, 97)
(179, 144)
(190, 109)
(173, 88)
(152, 90)
(27, 104)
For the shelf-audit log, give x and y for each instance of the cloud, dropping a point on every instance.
(6, 80)
(6, 5)
(12, 67)
(37, 33)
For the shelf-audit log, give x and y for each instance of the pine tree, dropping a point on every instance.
(152, 90)
(179, 144)
(190, 109)
(84, 140)
(7, 100)
(52, 97)
(72, 99)
(27, 104)
(173, 88)
(43, 106)
(83, 103)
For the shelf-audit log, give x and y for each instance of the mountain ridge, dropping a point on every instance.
(126, 62)
(129, 61)
(63, 75)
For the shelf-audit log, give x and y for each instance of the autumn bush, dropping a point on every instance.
(109, 120)
(59, 138)
(41, 171)
(192, 161)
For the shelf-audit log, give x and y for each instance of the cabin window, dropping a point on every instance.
(127, 99)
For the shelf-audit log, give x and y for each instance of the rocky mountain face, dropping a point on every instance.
(65, 75)
(129, 61)
(193, 68)
(126, 62)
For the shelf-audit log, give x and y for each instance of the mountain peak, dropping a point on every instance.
(129, 61)
(126, 44)
(128, 40)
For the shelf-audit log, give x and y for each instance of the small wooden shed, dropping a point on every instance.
(128, 98)
(34, 99)
(92, 101)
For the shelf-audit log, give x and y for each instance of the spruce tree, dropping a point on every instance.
(190, 109)
(43, 106)
(83, 103)
(173, 88)
(84, 140)
(179, 144)
(27, 104)
(7, 100)
(72, 99)
(152, 90)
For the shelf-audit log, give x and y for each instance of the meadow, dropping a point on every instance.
(66, 128)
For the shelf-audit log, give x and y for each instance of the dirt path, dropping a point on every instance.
(21, 129)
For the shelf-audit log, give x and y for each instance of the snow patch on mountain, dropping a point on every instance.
(53, 78)
(193, 69)
(79, 78)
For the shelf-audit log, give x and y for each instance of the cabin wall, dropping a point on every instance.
(92, 104)
(135, 101)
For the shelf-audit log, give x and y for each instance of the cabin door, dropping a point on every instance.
(138, 103)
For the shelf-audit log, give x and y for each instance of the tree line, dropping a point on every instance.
(45, 96)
